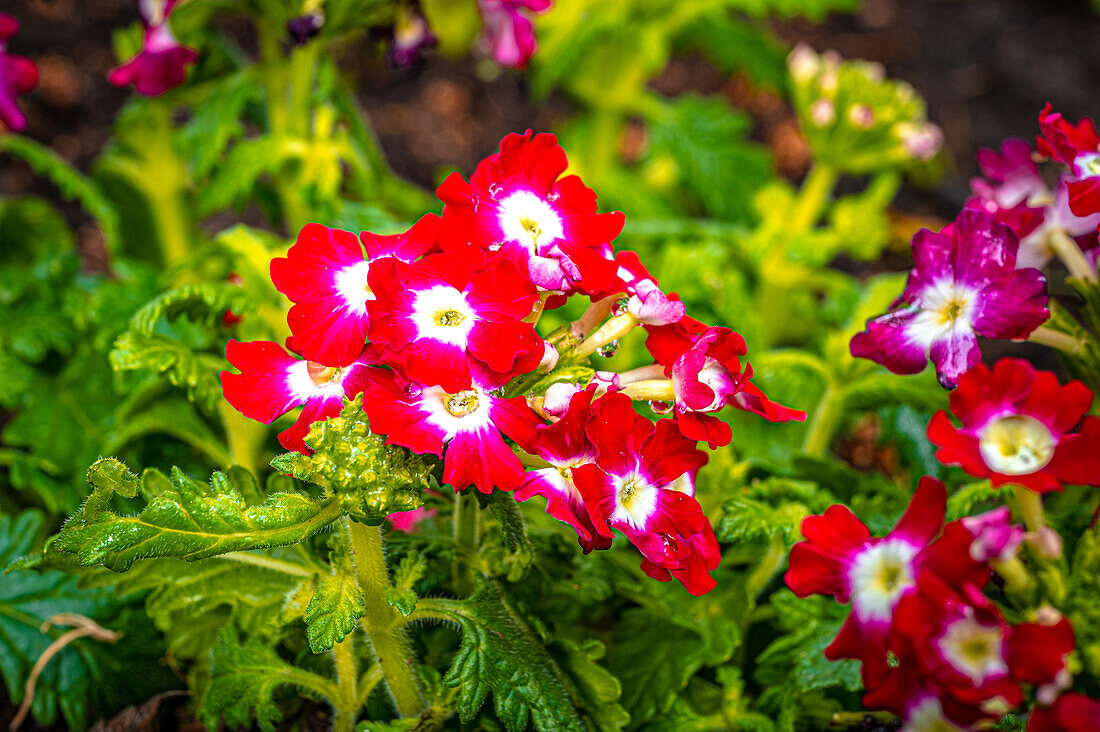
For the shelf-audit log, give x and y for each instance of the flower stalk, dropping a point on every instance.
(1072, 256)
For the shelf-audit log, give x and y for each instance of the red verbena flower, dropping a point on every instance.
(565, 445)
(271, 382)
(840, 558)
(162, 63)
(1071, 712)
(517, 203)
(325, 275)
(18, 75)
(642, 483)
(446, 314)
(1017, 427)
(1077, 146)
(964, 284)
(469, 422)
(646, 301)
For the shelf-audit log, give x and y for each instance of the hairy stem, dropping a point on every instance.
(467, 537)
(819, 436)
(347, 681)
(1070, 254)
(381, 621)
(815, 193)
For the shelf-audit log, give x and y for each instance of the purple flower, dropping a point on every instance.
(995, 536)
(964, 284)
(18, 75)
(508, 31)
(411, 37)
(162, 63)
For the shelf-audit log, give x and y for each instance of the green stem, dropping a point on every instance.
(347, 681)
(1052, 338)
(1031, 507)
(819, 436)
(381, 621)
(466, 536)
(815, 193)
(1071, 255)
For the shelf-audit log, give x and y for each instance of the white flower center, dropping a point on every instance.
(464, 411)
(974, 649)
(635, 500)
(945, 306)
(879, 576)
(927, 716)
(1016, 445)
(1087, 165)
(307, 379)
(530, 220)
(442, 314)
(351, 283)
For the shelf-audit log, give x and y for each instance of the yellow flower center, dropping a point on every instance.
(449, 318)
(1016, 445)
(321, 375)
(462, 403)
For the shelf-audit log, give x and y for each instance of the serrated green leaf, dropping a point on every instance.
(196, 372)
(192, 520)
(500, 655)
(86, 675)
(334, 610)
(404, 600)
(810, 625)
(243, 681)
(962, 501)
(594, 689)
(204, 303)
(514, 534)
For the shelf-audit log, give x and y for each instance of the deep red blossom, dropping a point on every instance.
(1017, 426)
(840, 558)
(450, 313)
(707, 376)
(18, 75)
(518, 203)
(162, 63)
(565, 446)
(271, 382)
(642, 483)
(325, 275)
(466, 427)
(1071, 712)
(1077, 146)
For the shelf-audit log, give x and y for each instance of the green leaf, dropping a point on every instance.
(87, 674)
(243, 681)
(241, 169)
(594, 689)
(745, 520)
(107, 477)
(203, 303)
(216, 121)
(653, 660)
(809, 625)
(191, 520)
(334, 610)
(962, 501)
(404, 600)
(71, 183)
(157, 354)
(500, 655)
(514, 534)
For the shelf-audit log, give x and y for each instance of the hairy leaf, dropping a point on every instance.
(334, 610)
(205, 303)
(244, 678)
(191, 520)
(500, 655)
(157, 354)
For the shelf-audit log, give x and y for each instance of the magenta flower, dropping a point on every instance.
(508, 31)
(565, 446)
(470, 423)
(271, 382)
(964, 284)
(325, 275)
(18, 75)
(448, 314)
(162, 63)
(995, 536)
(411, 37)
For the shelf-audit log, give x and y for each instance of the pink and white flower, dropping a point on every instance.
(447, 314)
(508, 31)
(964, 284)
(517, 203)
(325, 274)
(469, 424)
(996, 538)
(839, 557)
(18, 75)
(271, 382)
(565, 446)
(646, 301)
(162, 63)
(642, 482)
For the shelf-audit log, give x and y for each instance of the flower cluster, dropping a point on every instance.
(933, 648)
(18, 75)
(437, 328)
